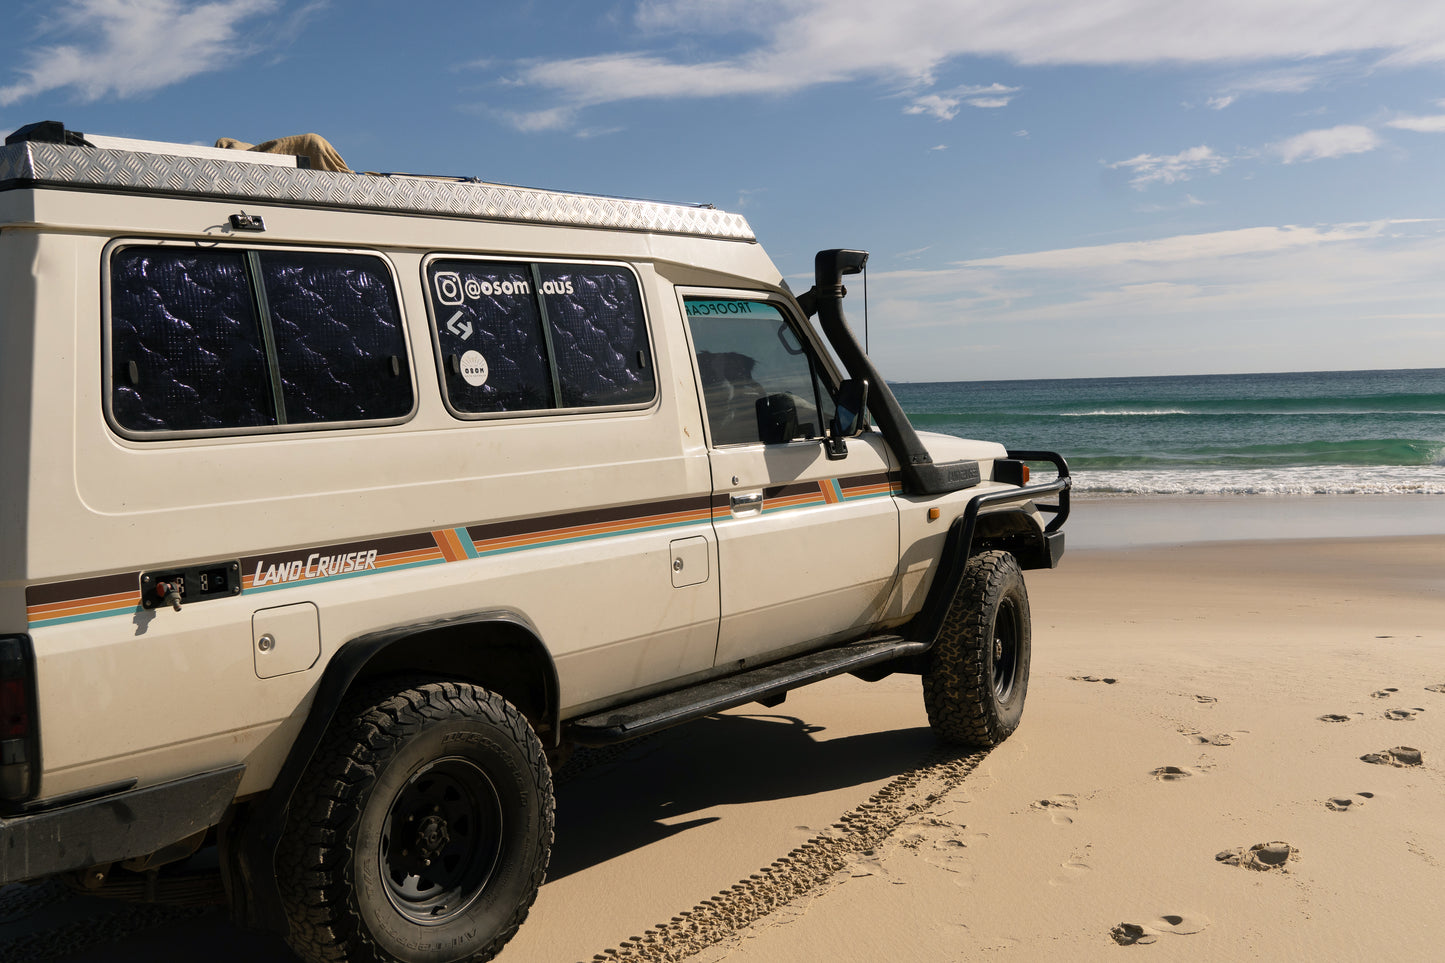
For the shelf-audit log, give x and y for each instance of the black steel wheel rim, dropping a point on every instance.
(441, 840)
(1005, 650)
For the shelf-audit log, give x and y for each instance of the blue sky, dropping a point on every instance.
(1048, 188)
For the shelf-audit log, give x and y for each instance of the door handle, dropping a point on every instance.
(747, 503)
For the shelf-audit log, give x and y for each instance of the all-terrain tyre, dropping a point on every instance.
(977, 673)
(421, 830)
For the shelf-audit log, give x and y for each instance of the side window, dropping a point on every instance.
(489, 329)
(598, 334)
(339, 344)
(185, 343)
(516, 336)
(759, 383)
(225, 339)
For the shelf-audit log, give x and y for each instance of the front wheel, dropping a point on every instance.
(978, 669)
(421, 831)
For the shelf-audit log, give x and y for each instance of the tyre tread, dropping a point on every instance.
(315, 856)
(957, 690)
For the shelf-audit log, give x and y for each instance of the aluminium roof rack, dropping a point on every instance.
(46, 155)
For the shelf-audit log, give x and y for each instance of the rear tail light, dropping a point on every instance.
(14, 709)
(19, 742)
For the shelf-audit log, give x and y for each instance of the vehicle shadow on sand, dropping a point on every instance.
(613, 801)
(609, 802)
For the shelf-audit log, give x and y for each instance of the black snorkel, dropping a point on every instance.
(920, 475)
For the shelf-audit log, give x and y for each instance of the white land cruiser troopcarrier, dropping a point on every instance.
(338, 507)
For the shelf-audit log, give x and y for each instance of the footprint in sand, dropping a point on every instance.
(1128, 934)
(1218, 739)
(1057, 806)
(1339, 717)
(1383, 693)
(1344, 804)
(1093, 678)
(1403, 715)
(1435, 688)
(1070, 872)
(1398, 756)
(1260, 856)
(1171, 773)
(1205, 700)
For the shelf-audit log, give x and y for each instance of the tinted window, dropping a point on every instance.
(517, 336)
(598, 336)
(186, 345)
(339, 343)
(489, 329)
(226, 339)
(758, 380)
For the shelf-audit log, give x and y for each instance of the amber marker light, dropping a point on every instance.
(933, 514)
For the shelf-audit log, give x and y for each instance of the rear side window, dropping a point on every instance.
(517, 336)
(226, 340)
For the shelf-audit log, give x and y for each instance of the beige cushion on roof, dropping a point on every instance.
(313, 147)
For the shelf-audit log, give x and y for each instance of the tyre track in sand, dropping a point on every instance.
(805, 869)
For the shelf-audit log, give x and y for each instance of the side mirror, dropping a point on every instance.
(849, 402)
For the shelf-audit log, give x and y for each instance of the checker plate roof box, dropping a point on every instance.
(244, 176)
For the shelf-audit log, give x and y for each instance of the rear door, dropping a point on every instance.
(807, 546)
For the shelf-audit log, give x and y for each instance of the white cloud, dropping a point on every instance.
(554, 118)
(1294, 79)
(1185, 247)
(1189, 201)
(1432, 124)
(804, 43)
(1170, 168)
(1329, 142)
(127, 48)
(944, 108)
(1188, 303)
(945, 105)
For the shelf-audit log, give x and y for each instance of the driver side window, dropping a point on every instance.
(759, 382)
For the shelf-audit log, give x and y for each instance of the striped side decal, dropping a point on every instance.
(79, 600)
(485, 540)
(81, 608)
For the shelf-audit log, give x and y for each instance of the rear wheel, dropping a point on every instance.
(978, 669)
(421, 831)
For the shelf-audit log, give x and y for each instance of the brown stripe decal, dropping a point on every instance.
(861, 481)
(597, 517)
(84, 588)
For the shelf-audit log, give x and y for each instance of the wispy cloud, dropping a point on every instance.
(1430, 124)
(127, 48)
(1140, 307)
(1293, 79)
(945, 106)
(1189, 201)
(791, 45)
(1187, 247)
(1326, 143)
(1170, 168)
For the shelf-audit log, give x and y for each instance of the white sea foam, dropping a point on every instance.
(1125, 413)
(1312, 480)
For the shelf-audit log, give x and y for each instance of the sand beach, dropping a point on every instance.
(1234, 748)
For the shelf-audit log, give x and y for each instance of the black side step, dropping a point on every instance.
(755, 685)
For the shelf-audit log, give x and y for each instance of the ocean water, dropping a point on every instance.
(1332, 432)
